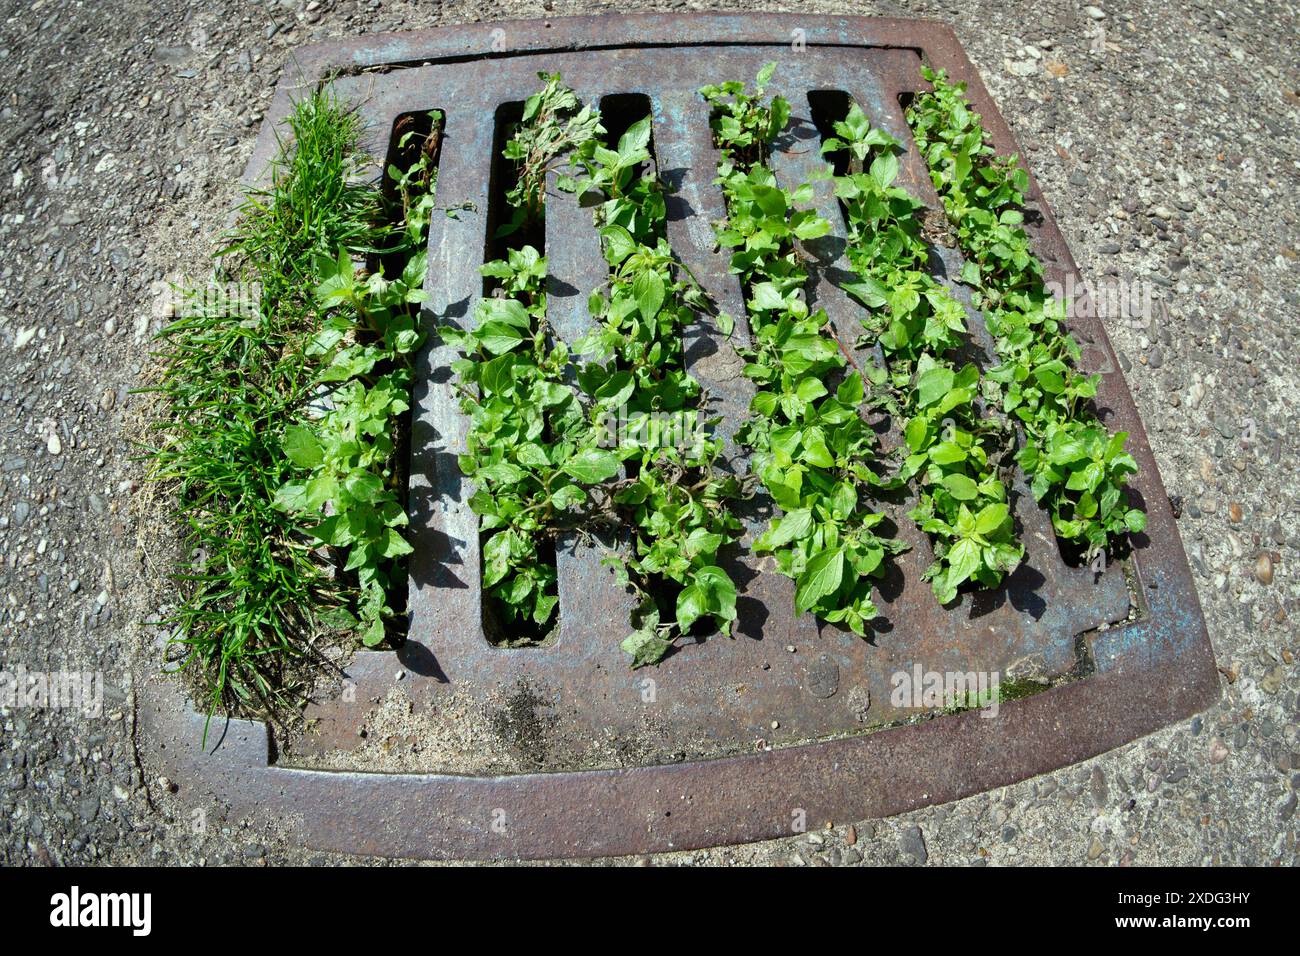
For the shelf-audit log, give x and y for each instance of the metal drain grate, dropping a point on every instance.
(819, 689)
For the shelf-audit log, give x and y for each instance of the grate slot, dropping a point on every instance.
(502, 178)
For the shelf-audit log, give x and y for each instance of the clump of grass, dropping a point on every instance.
(255, 598)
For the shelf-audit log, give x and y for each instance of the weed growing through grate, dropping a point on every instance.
(954, 452)
(310, 381)
(531, 450)
(539, 452)
(350, 497)
(812, 449)
(553, 123)
(675, 499)
(1077, 470)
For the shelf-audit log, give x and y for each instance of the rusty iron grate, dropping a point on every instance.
(783, 710)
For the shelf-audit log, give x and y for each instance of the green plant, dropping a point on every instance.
(232, 376)
(416, 184)
(543, 456)
(812, 449)
(553, 123)
(346, 440)
(1077, 470)
(676, 500)
(362, 350)
(953, 451)
(530, 448)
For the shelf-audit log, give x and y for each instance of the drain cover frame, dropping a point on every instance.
(1144, 674)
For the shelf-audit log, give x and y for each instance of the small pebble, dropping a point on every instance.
(912, 844)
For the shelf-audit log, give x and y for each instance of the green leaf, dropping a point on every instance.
(567, 497)
(616, 389)
(496, 375)
(963, 560)
(822, 576)
(648, 287)
(815, 451)
(394, 545)
(771, 200)
(915, 433)
(720, 591)
(619, 244)
(867, 291)
(793, 526)
(884, 169)
(990, 518)
(692, 604)
(646, 647)
(373, 635)
(765, 295)
(850, 391)
(702, 541)
(810, 389)
(1050, 381)
(844, 500)
(503, 472)
(633, 143)
(302, 447)
(947, 453)
(291, 498)
(337, 279)
(933, 384)
(592, 466)
(509, 311)
(498, 337)
(961, 487)
(812, 227)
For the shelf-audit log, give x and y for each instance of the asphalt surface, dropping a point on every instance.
(1167, 142)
